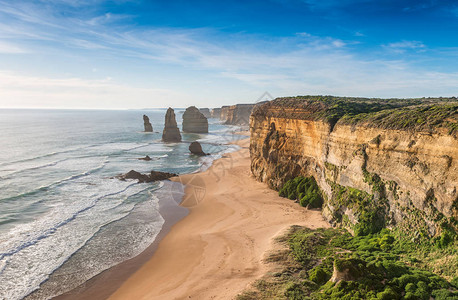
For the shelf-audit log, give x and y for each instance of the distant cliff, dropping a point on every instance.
(239, 114)
(393, 161)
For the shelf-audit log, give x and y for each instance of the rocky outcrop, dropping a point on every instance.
(153, 176)
(171, 132)
(224, 113)
(216, 113)
(196, 149)
(146, 158)
(239, 114)
(194, 121)
(399, 157)
(206, 112)
(147, 124)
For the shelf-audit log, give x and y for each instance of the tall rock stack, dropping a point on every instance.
(171, 132)
(194, 121)
(147, 124)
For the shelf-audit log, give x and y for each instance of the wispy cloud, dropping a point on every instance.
(9, 48)
(403, 46)
(28, 91)
(299, 64)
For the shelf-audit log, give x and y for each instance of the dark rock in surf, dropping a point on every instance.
(146, 158)
(196, 149)
(147, 124)
(153, 176)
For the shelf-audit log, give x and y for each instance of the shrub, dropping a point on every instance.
(304, 189)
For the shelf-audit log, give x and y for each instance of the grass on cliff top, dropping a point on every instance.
(417, 114)
(386, 265)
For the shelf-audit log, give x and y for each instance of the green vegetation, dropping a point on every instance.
(303, 189)
(386, 265)
(422, 114)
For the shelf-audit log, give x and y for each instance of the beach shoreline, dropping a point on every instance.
(217, 250)
(108, 281)
(102, 285)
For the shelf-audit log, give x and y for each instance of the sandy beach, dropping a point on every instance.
(217, 250)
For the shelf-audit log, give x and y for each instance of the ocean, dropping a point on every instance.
(64, 217)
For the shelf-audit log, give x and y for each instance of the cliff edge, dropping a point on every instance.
(385, 162)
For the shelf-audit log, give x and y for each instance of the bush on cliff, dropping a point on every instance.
(303, 189)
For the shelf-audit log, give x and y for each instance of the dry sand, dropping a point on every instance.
(217, 250)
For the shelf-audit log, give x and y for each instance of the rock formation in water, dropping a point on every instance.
(389, 161)
(171, 132)
(147, 124)
(196, 149)
(239, 114)
(216, 113)
(146, 158)
(206, 112)
(194, 121)
(153, 176)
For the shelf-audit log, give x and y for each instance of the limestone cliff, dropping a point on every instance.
(171, 132)
(216, 113)
(224, 113)
(399, 156)
(147, 124)
(239, 114)
(194, 121)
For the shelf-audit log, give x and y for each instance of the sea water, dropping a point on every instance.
(63, 212)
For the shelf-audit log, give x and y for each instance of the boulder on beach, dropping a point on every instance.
(194, 121)
(196, 149)
(153, 176)
(171, 132)
(147, 124)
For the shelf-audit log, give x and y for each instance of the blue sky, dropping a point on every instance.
(137, 54)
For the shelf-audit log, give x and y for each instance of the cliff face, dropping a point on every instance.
(216, 113)
(171, 132)
(223, 113)
(194, 121)
(411, 175)
(239, 114)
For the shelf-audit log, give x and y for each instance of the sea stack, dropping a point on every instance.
(196, 149)
(147, 124)
(171, 132)
(194, 121)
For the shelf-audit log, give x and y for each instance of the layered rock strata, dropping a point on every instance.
(402, 158)
(239, 114)
(194, 121)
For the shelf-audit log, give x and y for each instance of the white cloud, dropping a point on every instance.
(403, 46)
(9, 48)
(30, 91)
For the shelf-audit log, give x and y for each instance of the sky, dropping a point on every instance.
(122, 54)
